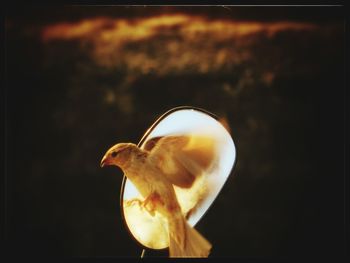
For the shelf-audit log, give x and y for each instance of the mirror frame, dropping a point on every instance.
(141, 142)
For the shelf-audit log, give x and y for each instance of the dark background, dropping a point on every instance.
(282, 95)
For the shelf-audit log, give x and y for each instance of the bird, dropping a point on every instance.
(162, 163)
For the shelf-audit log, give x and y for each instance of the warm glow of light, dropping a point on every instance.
(227, 29)
(186, 40)
(140, 28)
(67, 31)
(109, 29)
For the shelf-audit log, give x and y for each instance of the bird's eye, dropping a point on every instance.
(114, 154)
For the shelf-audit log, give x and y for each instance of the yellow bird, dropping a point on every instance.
(162, 163)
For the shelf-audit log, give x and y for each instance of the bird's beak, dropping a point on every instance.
(104, 161)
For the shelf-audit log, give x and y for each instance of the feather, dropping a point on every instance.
(185, 241)
(182, 159)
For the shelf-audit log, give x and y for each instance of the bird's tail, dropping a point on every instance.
(185, 241)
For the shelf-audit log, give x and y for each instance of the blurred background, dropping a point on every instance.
(82, 78)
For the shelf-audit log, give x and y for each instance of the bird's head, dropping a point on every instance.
(118, 155)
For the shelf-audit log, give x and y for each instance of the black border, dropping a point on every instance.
(11, 4)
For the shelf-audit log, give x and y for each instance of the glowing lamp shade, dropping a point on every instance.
(152, 231)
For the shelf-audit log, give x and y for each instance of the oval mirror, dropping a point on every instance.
(151, 231)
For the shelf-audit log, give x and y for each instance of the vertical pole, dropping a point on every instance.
(143, 253)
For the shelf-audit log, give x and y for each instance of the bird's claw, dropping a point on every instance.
(151, 211)
(145, 205)
(133, 201)
(149, 208)
(149, 205)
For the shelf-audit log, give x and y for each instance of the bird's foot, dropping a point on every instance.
(149, 205)
(149, 210)
(146, 204)
(134, 201)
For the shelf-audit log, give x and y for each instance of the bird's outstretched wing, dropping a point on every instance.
(181, 158)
